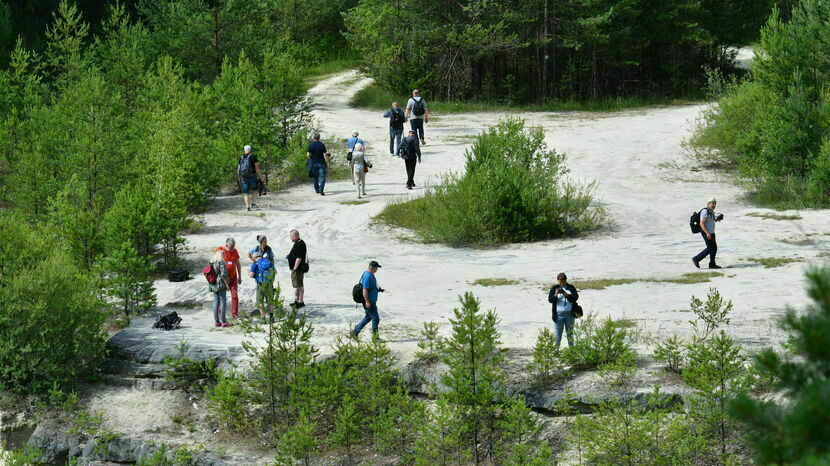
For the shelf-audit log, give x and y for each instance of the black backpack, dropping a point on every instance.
(357, 293)
(418, 107)
(694, 221)
(396, 120)
(246, 168)
(178, 275)
(168, 321)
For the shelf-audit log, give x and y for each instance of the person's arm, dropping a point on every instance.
(326, 157)
(552, 294)
(238, 273)
(418, 149)
(408, 110)
(297, 263)
(426, 113)
(703, 225)
(388, 113)
(572, 294)
(258, 173)
(366, 297)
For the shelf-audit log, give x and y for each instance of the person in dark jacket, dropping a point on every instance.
(411, 154)
(562, 297)
(396, 120)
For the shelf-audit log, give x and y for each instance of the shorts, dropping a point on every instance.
(296, 278)
(249, 183)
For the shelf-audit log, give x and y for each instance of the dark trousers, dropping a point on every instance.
(711, 249)
(371, 316)
(417, 125)
(410, 171)
(318, 170)
(395, 135)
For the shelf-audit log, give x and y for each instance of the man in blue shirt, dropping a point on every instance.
(318, 160)
(370, 300)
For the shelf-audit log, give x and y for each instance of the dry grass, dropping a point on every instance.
(685, 279)
(772, 262)
(495, 282)
(773, 216)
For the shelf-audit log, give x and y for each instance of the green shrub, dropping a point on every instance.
(126, 280)
(547, 361)
(517, 188)
(229, 400)
(431, 344)
(187, 374)
(600, 343)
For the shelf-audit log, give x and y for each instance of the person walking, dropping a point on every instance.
(361, 168)
(370, 300)
(350, 143)
(417, 113)
(263, 249)
(219, 288)
(298, 263)
(563, 297)
(396, 120)
(708, 218)
(234, 273)
(319, 163)
(249, 176)
(411, 154)
(262, 270)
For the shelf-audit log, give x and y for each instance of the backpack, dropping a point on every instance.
(263, 269)
(694, 221)
(210, 274)
(418, 108)
(396, 119)
(168, 321)
(357, 293)
(404, 150)
(246, 168)
(178, 275)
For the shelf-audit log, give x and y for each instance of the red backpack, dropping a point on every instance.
(210, 274)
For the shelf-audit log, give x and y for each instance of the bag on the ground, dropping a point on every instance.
(418, 107)
(178, 275)
(168, 321)
(357, 293)
(246, 168)
(210, 274)
(694, 221)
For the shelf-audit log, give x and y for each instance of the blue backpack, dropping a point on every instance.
(264, 269)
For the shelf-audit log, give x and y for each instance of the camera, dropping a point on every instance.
(719, 217)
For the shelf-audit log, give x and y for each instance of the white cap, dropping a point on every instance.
(712, 201)
(355, 133)
(246, 148)
(358, 146)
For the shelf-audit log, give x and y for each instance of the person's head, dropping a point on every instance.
(247, 149)
(263, 241)
(411, 133)
(562, 279)
(712, 203)
(355, 133)
(416, 93)
(316, 136)
(230, 243)
(257, 256)
(294, 235)
(394, 105)
(358, 147)
(218, 256)
(373, 266)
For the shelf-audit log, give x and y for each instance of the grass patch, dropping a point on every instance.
(773, 216)
(772, 262)
(624, 323)
(685, 279)
(376, 97)
(495, 282)
(797, 241)
(358, 202)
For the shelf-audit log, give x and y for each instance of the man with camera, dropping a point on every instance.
(707, 230)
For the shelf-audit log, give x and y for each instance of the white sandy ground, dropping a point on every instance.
(644, 182)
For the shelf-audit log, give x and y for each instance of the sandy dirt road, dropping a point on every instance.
(644, 181)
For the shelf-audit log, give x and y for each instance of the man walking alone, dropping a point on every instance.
(248, 174)
(707, 230)
(396, 120)
(417, 113)
(370, 300)
(411, 154)
(319, 160)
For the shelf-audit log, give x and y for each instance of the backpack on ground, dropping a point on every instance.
(168, 321)
(210, 274)
(246, 168)
(418, 108)
(178, 275)
(694, 221)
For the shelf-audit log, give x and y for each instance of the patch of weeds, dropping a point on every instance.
(495, 282)
(461, 139)
(797, 241)
(188, 304)
(685, 279)
(773, 216)
(187, 374)
(358, 202)
(772, 262)
(624, 323)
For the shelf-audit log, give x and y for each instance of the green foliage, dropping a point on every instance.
(441, 438)
(518, 428)
(711, 315)
(431, 344)
(126, 281)
(187, 374)
(228, 402)
(546, 359)
(517, 187)
(23, 457)
(600, 343)
(298, 443)
(794, 431)
(671, 353)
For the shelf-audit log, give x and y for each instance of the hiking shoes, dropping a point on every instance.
(249, 209)
(696, 262)
(227, 324)
(217, 324)
(300, 304)
(715, 266)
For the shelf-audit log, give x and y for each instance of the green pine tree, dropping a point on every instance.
(126, 280)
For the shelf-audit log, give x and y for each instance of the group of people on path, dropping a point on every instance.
(226, 265)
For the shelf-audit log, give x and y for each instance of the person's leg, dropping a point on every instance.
(569, 327)
(398, 136)
(216, 308)
(253, 184)
(245, 191)
(413, 125)
(351, 168)
(560, 324)
(315, 172)
(702, 254)
(322, 174)
(391, 140)
(234, 298)
(713, 250)
(260, 299)
(420, 126)
(366, 319)
(373, 313)
(223, 300)
(363, 182)
(410, 172)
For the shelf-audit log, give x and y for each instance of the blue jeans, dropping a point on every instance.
(220, 301)
(249, 183)
(395, 138)
(417, 125)
(319, 172)
(565, 321)
(371, 315)
(711, 249)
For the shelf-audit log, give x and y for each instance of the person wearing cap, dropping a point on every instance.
(417, 113)
(563, 296)
(370, 300)
(410, 152)
(262, 248)
(263, 271)
(318, 160)
(350, 143)
(361, 167)
(297, 258)
(708, 218)
(248, 181)
(396, 120)
(234, 273)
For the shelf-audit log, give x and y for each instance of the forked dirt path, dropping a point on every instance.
(644, 180)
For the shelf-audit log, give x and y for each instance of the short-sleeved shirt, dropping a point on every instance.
(231, 259)
(370, 284)
(298, 250)
(268, 253)
(317, 149)
(707, 217)
(410, 105)
(352, 141)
